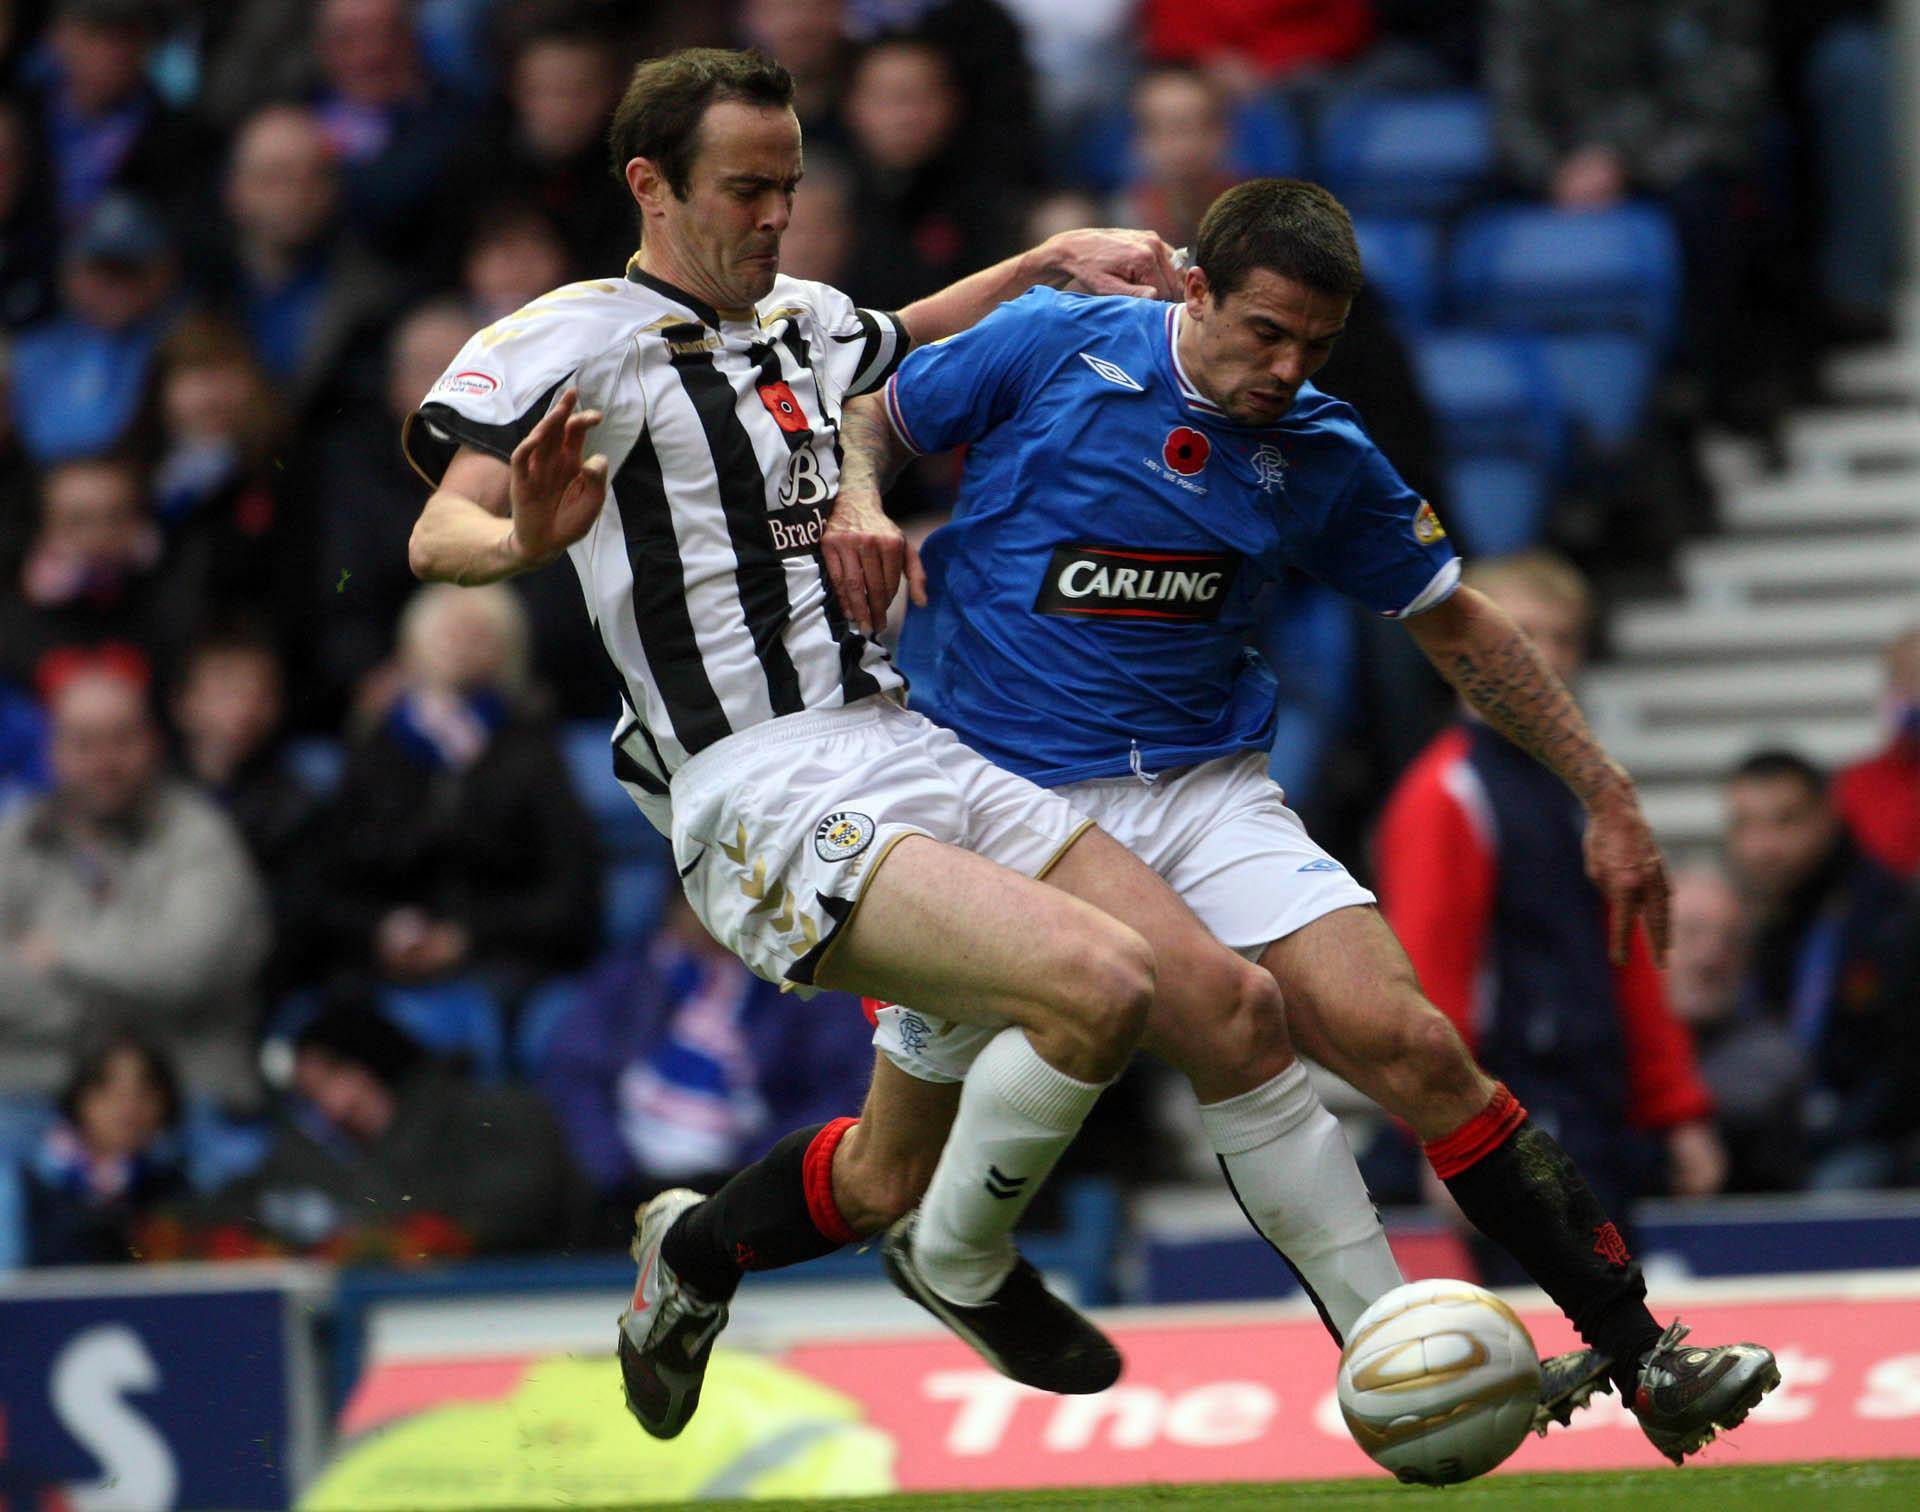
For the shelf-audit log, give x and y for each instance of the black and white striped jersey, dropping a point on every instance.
(703, 573)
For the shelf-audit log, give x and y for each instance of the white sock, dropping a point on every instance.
(1017, 1115)
(1293, 1174)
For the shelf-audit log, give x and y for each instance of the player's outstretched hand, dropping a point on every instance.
(866, 556)
(1624, 862)
(1114, 261)
(555, 496)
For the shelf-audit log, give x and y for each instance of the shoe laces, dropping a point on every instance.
(1668, 1341)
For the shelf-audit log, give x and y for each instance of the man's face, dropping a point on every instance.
(1709, 947)
(125, 1110)
(1778, 832)
(91, 514)
(101, 64)
(427, 341)
(105, 753)
(1180, 130)
(723, 238)
(231, 701)
(1557, 628)
(805, 35)
(349, 1096)
(902, 106)
(366, 49)
(115, 295)
(1251, 350)
(282, 187)
(563, 92)
(820, 235)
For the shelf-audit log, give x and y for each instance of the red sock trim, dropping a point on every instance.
(816, 1175)
(1478, 1137)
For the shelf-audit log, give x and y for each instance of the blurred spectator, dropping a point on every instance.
(385, 1156)
(929, 204)
(223, 496)
(111, 1159)
(513, 257)
(1062, 210)
(310, 295)
(1879, 798)
(1828, 923)
(1757, 1074)
(987, 61)
(29, 236)
(395, 133)
(368, 498)
(102, 123)
(91, 577)
(1599, 100)
(1181, 141)
(1482, 876)
(809, 38)
(78, 377)
(456, 843)
(126, 899)
(1078, 51)
(1245, 44)
(251, 54)
(548, 148)
(229, 711)
(821, 233)
(679, 1066)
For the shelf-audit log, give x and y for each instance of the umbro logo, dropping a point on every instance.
(1001, 1185)
(1117, 376)
(1324, 864)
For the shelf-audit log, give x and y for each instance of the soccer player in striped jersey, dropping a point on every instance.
(675, 432)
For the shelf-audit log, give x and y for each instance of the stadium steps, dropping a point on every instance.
(1776, 637)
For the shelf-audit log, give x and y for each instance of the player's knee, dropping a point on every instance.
(1429, 1054)
(1106, 986)
(1237, 1040)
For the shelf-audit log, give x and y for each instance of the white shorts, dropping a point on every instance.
(778, 829)
(1222, 837)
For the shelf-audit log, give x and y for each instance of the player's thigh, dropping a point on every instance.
(1215, 1015)
(883, 1165)
(1355, 1006)
(969, 940)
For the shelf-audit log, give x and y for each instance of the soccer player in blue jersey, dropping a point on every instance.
(1135, 473)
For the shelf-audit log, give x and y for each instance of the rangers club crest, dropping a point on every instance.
(1186, 450)
(1270, 467)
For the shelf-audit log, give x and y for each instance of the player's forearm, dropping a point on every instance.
(872, 452)
(455, 540)
(1500, 673)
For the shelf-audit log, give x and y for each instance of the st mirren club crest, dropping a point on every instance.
(1269, 467)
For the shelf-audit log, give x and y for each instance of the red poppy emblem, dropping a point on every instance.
(1186, 450)
(784, 408)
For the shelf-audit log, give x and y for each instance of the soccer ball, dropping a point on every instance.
(1439, 1382)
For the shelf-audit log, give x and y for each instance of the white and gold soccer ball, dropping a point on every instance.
(1439, 1382)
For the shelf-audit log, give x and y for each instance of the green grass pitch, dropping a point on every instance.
(1828, 1486)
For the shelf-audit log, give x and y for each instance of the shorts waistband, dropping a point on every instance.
(783, 730)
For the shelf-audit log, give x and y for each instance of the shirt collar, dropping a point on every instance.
(1189, 391)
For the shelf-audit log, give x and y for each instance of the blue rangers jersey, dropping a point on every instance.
(1093, 596)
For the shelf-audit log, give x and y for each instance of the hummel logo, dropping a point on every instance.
(1001, 1185)
(1114, 375)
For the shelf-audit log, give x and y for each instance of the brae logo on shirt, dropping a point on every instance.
(1186, 450)
(1123, 582)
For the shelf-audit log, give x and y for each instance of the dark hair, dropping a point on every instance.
(1764, 766)
(1288, 227)
(659, 116)
(350, 1029)
(90, 1070)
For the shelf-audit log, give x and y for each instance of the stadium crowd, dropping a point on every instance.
(323, 925)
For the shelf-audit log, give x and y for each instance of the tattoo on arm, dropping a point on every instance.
(871, 454)
(1509, 684)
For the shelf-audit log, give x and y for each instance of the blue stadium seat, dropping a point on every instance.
(623, 829)
(317, 761)
(1604, 379)
(539, 1017)
(458, 1018)
(636, 897)
(1502, 432)
(1498, 505)
(1537, 269)
(1411, 154)
(1401, 256)
(1266, 140)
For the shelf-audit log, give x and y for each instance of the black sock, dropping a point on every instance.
(778, 1211)
(1527, 1196)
